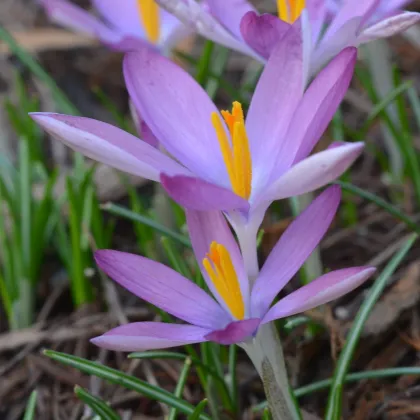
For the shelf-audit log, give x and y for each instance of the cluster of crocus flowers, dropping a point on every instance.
(327, 26)
(224, 161)
(238, 307)
(121, 25)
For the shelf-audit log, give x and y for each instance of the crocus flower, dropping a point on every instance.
(222, 161)
(328, 26)
(238, 308)
(122, 25)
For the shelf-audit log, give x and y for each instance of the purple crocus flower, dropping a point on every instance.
(238, 308)
(224, 162)
(122, 25)
(328, 26)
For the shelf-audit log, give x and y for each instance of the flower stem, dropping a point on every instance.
(266, 354)
(265, 349)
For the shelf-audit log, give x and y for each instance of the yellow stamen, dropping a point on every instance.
(221, 271)
(290, 10)
(149, 16)
(237, 154)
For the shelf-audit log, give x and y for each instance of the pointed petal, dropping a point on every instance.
(319, 104)
(141, 336)
(349, 10)
(390, 26)
(163, 287)
(177, 110)
(205, 227)
(263, 32)
(314, 172)
(123, 16)
(294, 247)
(197, 15)
(235, 332)
(197, 194)
(276, 97)
(108, 144)
(322, 290)
(230, 13)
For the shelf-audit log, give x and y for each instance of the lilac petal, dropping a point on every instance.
(197, 194)
(276, 97)
(141, 336)
(262, 32)
(230, 13)
(235, 332)
(197, 16)
(163, 287)
(349, 10)
(123, 16)
(389, 27)
(346, 36)
(177, 110)
(319, 105)
(322, 290)
(205, 227)
(294, 247)
(314, 172)
(141, 127)
(317, 15)
(108, 144)
(73, 17)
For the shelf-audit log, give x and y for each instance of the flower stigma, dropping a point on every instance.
(290, 10)
(236, 153)
(149, 16)
(221, 271)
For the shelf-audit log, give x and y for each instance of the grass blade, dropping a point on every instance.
(198, 410)
(31, 406)
(101, 408)
(128, 214)
(333, 411)
(180, 386)
(116, 377)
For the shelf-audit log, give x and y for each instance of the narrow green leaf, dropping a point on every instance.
(352, 340)
(31, 406)
(128, 214)
(127, 381)
(183, 376)
(98, 406)
(198, 410)
(391, 209)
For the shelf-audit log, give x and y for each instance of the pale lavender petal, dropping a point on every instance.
(235, 332)
(197, 194)
(73, 17)
(206, 227)
(390, 26)
(346, 36)
(263, 32)
(322, 290)
(314, 172)
(318, 106)
(389, 6)
(122, 15)
(163, 287)
(294, 247)
(276, 97)
(230, 13)
(142, 336)
(108, 144)
(317, 15)
(172, 31)
(349, 10)
(196, 15)
(177, 110)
